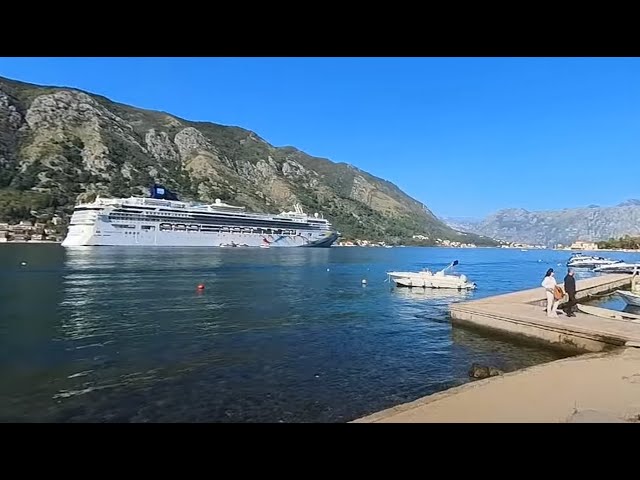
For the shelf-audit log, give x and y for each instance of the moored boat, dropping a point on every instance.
(609, 314)
(629, 297)
(428, 279)
(619, 267)
(589, 261)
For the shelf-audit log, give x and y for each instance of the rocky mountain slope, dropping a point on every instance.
(592, 223)
(462, 224)
(60, 145)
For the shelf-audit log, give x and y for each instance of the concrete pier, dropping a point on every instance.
(522, 314)
(591, 388)
(595, 387)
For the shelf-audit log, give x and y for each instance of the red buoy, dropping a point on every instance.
(201, 286)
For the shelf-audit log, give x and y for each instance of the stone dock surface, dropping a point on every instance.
(522, 314)
(595, 387)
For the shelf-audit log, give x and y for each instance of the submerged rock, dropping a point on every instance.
(483, 371)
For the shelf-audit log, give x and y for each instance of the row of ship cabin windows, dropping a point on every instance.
(164, 227)
(135, 218)
(139, 216)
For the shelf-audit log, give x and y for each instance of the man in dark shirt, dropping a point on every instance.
(570, 288)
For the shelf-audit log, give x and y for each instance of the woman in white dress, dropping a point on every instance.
(549, 283)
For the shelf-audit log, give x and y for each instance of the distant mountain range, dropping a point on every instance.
(62, 145)
(592, 223)
(463, 224)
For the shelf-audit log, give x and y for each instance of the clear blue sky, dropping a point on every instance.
(466, 136)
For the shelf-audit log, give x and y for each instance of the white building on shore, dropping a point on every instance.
(580, 245)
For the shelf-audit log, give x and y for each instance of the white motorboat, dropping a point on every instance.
(619, 267)
(607, 313)
(428, 279)
(589, 261)
(629, 297)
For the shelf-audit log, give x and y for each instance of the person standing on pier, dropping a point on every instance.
(549, 284)
(570, 288)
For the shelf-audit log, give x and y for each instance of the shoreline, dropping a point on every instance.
(548, 392)
(22, 242)
(577, 389)
(623, 250)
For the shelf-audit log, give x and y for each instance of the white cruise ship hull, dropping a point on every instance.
(103, 235)
(171, 223)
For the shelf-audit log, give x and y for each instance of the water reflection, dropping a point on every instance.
(495, 350)
(632, 309)
(29, 298)
(30, 293)
(122, 334)
(444, 295)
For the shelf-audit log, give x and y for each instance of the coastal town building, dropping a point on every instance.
(27, 231)
(580, 245)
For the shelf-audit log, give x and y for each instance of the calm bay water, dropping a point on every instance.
(121, 334)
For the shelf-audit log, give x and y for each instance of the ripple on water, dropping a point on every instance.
(117, 334)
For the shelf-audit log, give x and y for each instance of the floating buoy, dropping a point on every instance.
(23, 263)
(327, 269)
(200, 286)
(364, 281)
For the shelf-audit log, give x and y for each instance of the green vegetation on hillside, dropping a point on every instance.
(626, 242)
(78, 145)
(18, 205)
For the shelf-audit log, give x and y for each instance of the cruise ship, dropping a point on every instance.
(163, 220)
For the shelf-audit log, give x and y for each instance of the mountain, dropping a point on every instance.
(592, 223)
(62, 145)
(632, 202)
(462, 224)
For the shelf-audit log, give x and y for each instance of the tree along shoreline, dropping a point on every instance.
(625, 243)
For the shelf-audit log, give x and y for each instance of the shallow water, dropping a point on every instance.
(122, 334)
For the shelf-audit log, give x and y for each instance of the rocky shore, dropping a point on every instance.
(597, 387)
